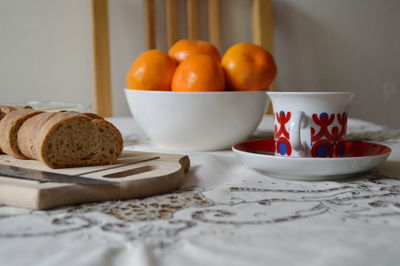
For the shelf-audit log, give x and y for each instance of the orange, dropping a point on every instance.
(183, 49)
(248, 67)
(199, 73)
(152, 70)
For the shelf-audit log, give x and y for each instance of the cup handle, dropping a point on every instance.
(295, 131)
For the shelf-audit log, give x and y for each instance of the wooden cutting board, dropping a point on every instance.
(138, 175)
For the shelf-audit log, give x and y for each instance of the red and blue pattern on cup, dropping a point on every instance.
(326, 135)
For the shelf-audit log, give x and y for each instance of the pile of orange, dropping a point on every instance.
(193, 65)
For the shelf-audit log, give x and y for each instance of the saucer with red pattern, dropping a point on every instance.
(360, 157)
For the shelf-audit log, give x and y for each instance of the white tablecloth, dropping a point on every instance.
(225, 214)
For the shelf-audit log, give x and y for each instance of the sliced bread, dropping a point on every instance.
(70, 139)
(9, 127)
(5, 109)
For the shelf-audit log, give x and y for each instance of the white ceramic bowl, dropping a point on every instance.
(197, 121)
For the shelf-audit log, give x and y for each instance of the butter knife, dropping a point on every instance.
(44, 176)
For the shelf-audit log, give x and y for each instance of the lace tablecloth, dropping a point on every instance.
(225, 214)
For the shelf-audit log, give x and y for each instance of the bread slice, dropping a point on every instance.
(5, 109)
(9, 126)
(29, 132)
(70, 139)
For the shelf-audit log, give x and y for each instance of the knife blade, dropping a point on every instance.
(44, 176)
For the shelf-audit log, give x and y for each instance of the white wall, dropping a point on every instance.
(45, 50)
(345, 45)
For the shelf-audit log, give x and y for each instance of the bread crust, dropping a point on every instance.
(93, 116)
(5, 109)
(9, 126)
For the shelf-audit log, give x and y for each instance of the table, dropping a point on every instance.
(224, 214)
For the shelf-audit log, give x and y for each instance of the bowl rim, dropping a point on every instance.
(310, 93)
(195, 92)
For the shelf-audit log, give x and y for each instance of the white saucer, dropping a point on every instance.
(359, 157)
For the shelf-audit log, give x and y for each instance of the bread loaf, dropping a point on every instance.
(5, 109)
(9, 126)
(70, 139)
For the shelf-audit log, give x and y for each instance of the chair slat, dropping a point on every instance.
(170, 9)
(150, 23)
(102, 80)
(214, 23)
(262, 23)
(192, 19)
(262, 28)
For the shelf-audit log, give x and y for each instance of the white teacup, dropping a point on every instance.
(310, 124)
